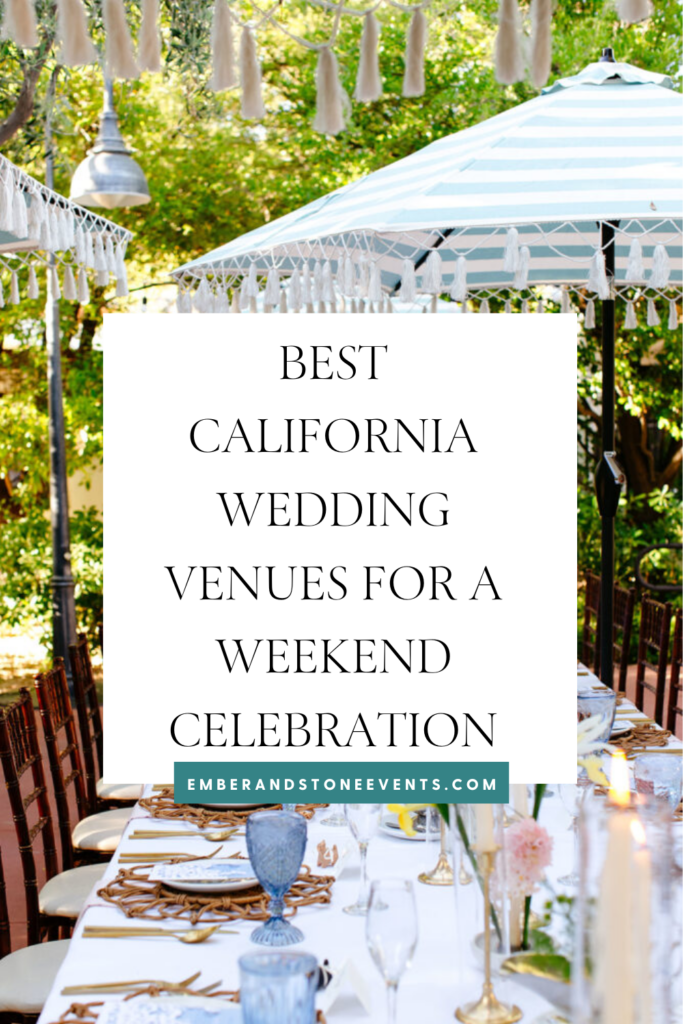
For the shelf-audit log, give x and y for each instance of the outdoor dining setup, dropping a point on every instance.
(278, 912)
(554, 903)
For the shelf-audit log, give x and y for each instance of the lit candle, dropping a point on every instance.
(620, 784)
(520, 800)
(642, 883)
(483, 816)
(615, 916)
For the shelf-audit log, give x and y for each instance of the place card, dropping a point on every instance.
(203, 871)
(347, 987)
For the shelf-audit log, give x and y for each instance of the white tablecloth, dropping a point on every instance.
(439, 980)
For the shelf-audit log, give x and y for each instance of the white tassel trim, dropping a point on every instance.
(250, 69)
(431, 278)
(589, 318)
(76, 46)
(408, 290)
(652, 314)
(509, 60)
(635, 269)
(119, 57)
(661, 268)
(368, 80)
(630, 321)
(33, 291)
(83, 289)
(673, 315)
(332, 103)
(541, 41)
(459, 287)
(70, 292)
(224, 73)
(414, 74)
(511, 259)
(597, 277)
(522, 272)
(149, 41)
(19, 23)
(632, 11)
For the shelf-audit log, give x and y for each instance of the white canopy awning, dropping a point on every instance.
(602, 146)
(41, 229)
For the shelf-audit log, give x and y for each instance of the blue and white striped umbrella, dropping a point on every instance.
(514, 202)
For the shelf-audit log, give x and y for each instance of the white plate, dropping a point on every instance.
(397, 833)
(621, 726)
(205, 876)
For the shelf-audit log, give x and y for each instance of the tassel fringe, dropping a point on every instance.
(252, 100)
(224, 74)
(119, 58)
(414, 74)
(149, 42)
(509, 61)
(368, 81)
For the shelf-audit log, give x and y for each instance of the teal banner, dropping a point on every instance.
(387, 782)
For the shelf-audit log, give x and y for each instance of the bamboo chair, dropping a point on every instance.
(624, 604)
(26, 976)
(58, 903)
(653, 652)
(99, 792)
(95, 834)
(590, 647)
(674, 708)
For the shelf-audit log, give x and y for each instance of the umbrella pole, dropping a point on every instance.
(609, 477)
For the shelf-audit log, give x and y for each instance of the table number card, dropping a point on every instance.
(340, 542)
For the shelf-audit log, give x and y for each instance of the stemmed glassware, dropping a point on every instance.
(363, 820)
(572, 797)
(336, 817)
(276, 841)
(391, 933)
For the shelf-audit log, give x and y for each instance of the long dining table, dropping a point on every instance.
(444, 973)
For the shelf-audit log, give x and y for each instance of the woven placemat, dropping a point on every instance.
(641, 737)
(162, 805)
(137, 896)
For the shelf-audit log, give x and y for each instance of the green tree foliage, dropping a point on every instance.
(214, 176)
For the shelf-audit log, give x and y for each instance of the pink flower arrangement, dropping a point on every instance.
(529, 851)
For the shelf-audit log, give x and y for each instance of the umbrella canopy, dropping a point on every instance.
(513, 202)
(42, 230)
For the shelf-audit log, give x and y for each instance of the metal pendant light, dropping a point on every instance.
(109, 176)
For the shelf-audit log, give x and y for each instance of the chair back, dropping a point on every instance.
(5, 939)
(624, 603)
(89, 716)
(675, 686)
(59, 730)
(590, 648)
(653, 652)
(22, 767)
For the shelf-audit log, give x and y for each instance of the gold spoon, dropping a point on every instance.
(190, 935)
(211, 837)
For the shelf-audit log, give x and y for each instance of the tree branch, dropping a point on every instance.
(23, 108)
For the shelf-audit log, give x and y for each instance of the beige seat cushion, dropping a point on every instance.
(119, 790)
(27, 975)
(65, 894)
(101, 831)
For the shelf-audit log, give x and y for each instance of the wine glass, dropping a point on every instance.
(276, 841)
(363, 820)
(572, 797)
(391, 933)
(659, 777)
(336, 817)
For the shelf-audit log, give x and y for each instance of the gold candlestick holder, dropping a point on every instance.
(442, 874)
(487, 1009)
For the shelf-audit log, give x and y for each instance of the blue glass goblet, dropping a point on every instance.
(276, 841)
